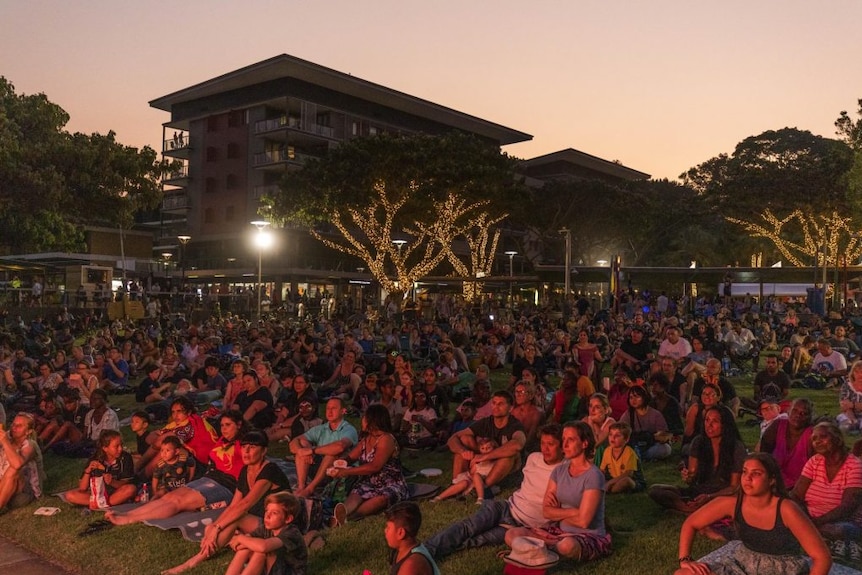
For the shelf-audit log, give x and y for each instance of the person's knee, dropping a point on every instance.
(568, 547)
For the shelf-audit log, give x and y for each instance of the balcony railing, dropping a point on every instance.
(276, 156)
(180, 202)
(177, 174)
(282, 122)
(179, 142)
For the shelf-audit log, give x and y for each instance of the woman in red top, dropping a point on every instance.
(215, 489)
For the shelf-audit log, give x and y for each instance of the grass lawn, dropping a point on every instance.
(645, 537)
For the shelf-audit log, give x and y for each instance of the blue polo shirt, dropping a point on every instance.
(324, 435)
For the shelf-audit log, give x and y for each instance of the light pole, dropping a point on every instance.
(184, 240)
(263, 240)
(167, 256)
(511, 273)
(568, 270)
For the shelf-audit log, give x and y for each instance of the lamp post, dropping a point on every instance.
(167, 256)
(184, 240)
(263, 240)
(568, 270)
(511, 273)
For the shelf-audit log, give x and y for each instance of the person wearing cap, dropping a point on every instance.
(320, 446)
(258, 479)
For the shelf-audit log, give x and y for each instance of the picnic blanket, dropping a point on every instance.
(730, 548)
(192, 523)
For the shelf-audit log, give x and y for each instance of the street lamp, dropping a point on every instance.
(568, 233)
(263, 240)
(167, 256)
(184, 240)
(511, 272)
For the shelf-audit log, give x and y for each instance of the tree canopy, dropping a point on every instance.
(397, 202)
(52, 182)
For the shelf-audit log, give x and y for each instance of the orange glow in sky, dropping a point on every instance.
(658, 85)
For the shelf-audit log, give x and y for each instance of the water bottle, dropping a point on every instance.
(145, 493)
(725, 363)
(415, 432)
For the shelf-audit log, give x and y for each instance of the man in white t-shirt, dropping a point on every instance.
(674, 345)
(523, 508)
(829, 363)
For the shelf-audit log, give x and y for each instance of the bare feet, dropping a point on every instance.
(117, 518)
(191, 563)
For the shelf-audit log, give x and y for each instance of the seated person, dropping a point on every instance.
(574, 501)
(772, 529)
(646, 423)
(258, 479)
(213, 490)
(116, 468)
(500, 427)
(830, 487)
(714, 376)
(317, 448)
(527, 413)
(151, 390)
(408, 556)
(174, 469)
(789, 440)
(522, 509)
(633, 351)
(706, 475)
(380, 481)
(194, 431)
(391, 402)
(473, 480)
(255, 402)
(70, 425)
(419, 427)
(850, 401)
(620, 463)
(770, 383)
(570, 401)
(21, 472)
(829, 364)
(665, 403)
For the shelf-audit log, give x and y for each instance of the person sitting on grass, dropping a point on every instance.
(419, 428)
(647, 423)
(317, 448)
(574, 501)
(771, 529)
(196, 434)
(620, 463)
(175, 467)
(151, 390)
(211, 491)
(407, 556)
(474, 479)
(789, 440)
(380, 480)
(277, 547)
(500, 427)
(713, 468)
(258, 479)
(522, 509)
(114, 465)
(71, 423)
(21, 472)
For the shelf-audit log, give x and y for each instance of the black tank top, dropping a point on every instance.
(776, 541)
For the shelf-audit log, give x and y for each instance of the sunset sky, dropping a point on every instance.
(658, 85)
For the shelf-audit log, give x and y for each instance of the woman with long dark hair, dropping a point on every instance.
(773, 530)
(713, 468)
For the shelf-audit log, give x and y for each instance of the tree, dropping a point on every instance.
(419, 190)
(850, 132)
(53, 182)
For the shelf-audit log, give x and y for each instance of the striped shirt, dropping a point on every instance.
(824, 495)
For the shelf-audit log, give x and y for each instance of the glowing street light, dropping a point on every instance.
(167, 257)
(511, 272)
(184, 240)
(263, 241)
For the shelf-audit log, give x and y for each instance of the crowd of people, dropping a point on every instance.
(213, 395)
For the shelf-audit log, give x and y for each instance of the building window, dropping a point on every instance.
(231, 182)
(229, 213)
(372, 130)
(233, 150)
(211, 185)
(236, 118)
(209, 216)
(212, 154)
(212, 124)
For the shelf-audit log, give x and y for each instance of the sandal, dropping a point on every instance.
(96, 527)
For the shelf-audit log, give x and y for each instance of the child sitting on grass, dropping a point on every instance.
(139, 423)
(114, 465)
(277, 547)
(620, 462)
(464, 483)
(174, 469)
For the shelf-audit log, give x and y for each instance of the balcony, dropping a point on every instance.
(177, 147)
(283, 122)
(281, 157)
(176, 203)
(179, 177)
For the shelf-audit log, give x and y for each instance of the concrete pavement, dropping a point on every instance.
(15, 559)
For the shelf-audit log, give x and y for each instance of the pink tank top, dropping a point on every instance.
(791, 462)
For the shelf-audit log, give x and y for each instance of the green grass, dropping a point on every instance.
(645, 536)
